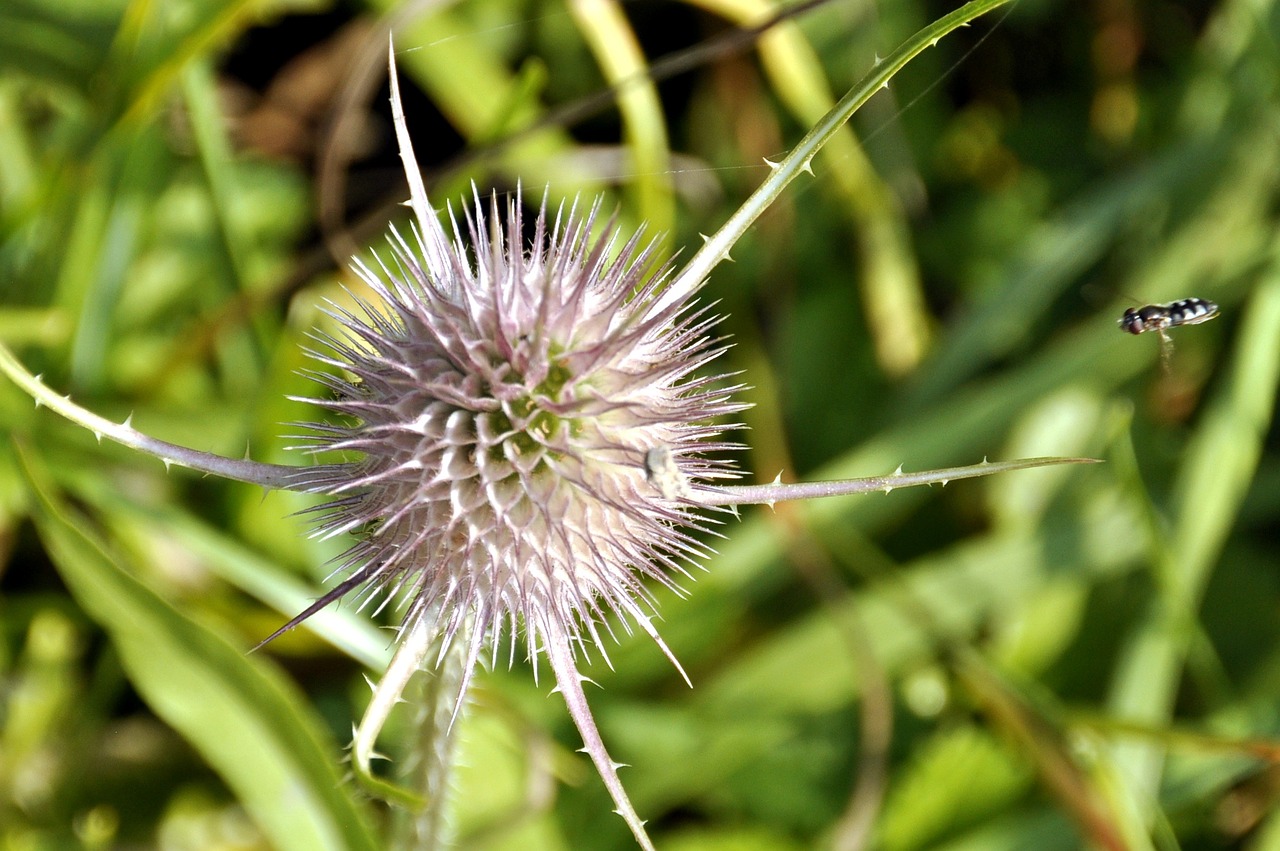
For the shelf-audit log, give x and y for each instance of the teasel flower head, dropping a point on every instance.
(503, 403)
(513, 411)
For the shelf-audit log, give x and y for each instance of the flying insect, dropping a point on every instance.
(1161, 317)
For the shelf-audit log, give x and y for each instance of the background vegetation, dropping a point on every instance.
(1041, 660)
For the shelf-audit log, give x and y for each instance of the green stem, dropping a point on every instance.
(717, 247)
(779, 492)
(274, 476)
(436, 756)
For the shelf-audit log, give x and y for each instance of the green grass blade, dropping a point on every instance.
(252, 727)
(1221, 459)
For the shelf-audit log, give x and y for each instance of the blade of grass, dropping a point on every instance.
(614, 45)
(1211, 240)
(957, 588)
(243, 717)
(1220, 462)
(346, 629)
(1042, 741)
(208, 130)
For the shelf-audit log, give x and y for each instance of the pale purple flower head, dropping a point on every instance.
(503, 397)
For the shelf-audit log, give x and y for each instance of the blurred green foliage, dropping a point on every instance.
(1042, 660)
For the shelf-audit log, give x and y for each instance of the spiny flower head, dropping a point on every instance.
(503, 398)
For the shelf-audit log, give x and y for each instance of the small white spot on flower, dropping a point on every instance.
(661, 471)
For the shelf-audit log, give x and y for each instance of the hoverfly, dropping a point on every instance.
(1162, 317)
(1159, 317)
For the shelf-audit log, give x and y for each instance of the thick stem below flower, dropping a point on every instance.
(436, 743)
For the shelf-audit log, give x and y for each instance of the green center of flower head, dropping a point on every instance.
(533, 417)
